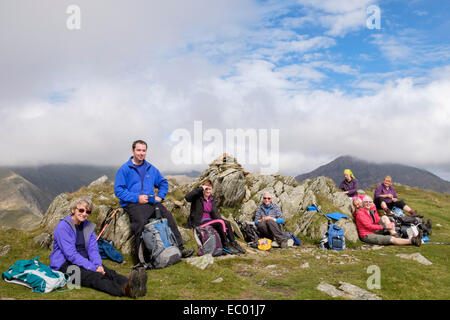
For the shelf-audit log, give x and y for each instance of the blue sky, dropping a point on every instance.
(143, 69)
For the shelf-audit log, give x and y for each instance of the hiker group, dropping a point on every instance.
(158, 241)
(394, 227)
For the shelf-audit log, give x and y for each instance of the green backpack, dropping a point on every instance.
(35, 275)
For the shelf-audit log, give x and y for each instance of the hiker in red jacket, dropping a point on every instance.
(381, 231)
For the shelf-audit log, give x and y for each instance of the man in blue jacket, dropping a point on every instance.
(134, 186)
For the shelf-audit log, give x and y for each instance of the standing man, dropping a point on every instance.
(268, 217)
(134, 186)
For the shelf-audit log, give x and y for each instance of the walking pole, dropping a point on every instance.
(108, 221)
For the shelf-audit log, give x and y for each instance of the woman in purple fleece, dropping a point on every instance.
(349, 185)
(75, 249)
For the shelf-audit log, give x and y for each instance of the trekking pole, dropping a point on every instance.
(320, 210)
(107, 222)
(444, 243)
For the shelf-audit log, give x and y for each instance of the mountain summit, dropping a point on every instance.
(369, 173)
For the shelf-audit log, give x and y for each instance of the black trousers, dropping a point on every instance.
(111, 282)
(140, 214)
(225, 237)
(399, 204)
(271, 229)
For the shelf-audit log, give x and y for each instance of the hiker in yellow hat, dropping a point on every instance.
(349, 185)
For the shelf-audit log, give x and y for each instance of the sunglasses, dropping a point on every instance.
(267, 198)
(82, 210)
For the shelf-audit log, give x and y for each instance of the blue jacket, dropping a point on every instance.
(128, 185)
(64, 249)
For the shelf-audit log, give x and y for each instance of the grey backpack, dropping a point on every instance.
(160, 243)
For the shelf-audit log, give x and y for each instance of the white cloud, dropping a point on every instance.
(339, 17)
(202, 61)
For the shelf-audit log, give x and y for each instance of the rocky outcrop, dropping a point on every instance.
(238, 193)
(229, 181)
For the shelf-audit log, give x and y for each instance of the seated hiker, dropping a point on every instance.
(268, 218)
(381, 231)
(357, 204)
(134, 186)
(349, 185)
(75, 244)
(204, 211)
(386, 198)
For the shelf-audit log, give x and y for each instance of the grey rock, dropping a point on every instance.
(247, 210)
(218, 280)
(4, 250)
(201, 262)
(99, 182)
(357, 292)
(44, 240)
(416, 257)
(346, 290)
(58, 209)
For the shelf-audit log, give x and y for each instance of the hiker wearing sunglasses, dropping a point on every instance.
(204, 211)
(268, 218)
(134, 186)
(380, 231)
(75, 244)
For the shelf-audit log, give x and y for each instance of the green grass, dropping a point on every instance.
(277, 274)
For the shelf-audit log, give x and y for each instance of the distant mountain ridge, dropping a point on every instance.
(21, 202)
(54, 179)
(369, 173)
(26, 192)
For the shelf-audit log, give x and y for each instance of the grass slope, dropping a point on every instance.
(277, 274)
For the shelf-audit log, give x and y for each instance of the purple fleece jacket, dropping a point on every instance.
(351, 187)
(64, 249)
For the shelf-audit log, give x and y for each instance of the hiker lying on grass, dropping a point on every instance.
(75, 244)
(380, 231)
(204, 210)
(386, 198)
(268, 218)
(349, 185)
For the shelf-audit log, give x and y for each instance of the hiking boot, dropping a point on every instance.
(238, 247)
(131, 288)
(143, 277)
(417, 241)
(284, 244)
(186, 253)
(290, 243)
(229, 247)
(428, 225)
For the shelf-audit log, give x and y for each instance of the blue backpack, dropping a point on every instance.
(336, 240)
(160, 243)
